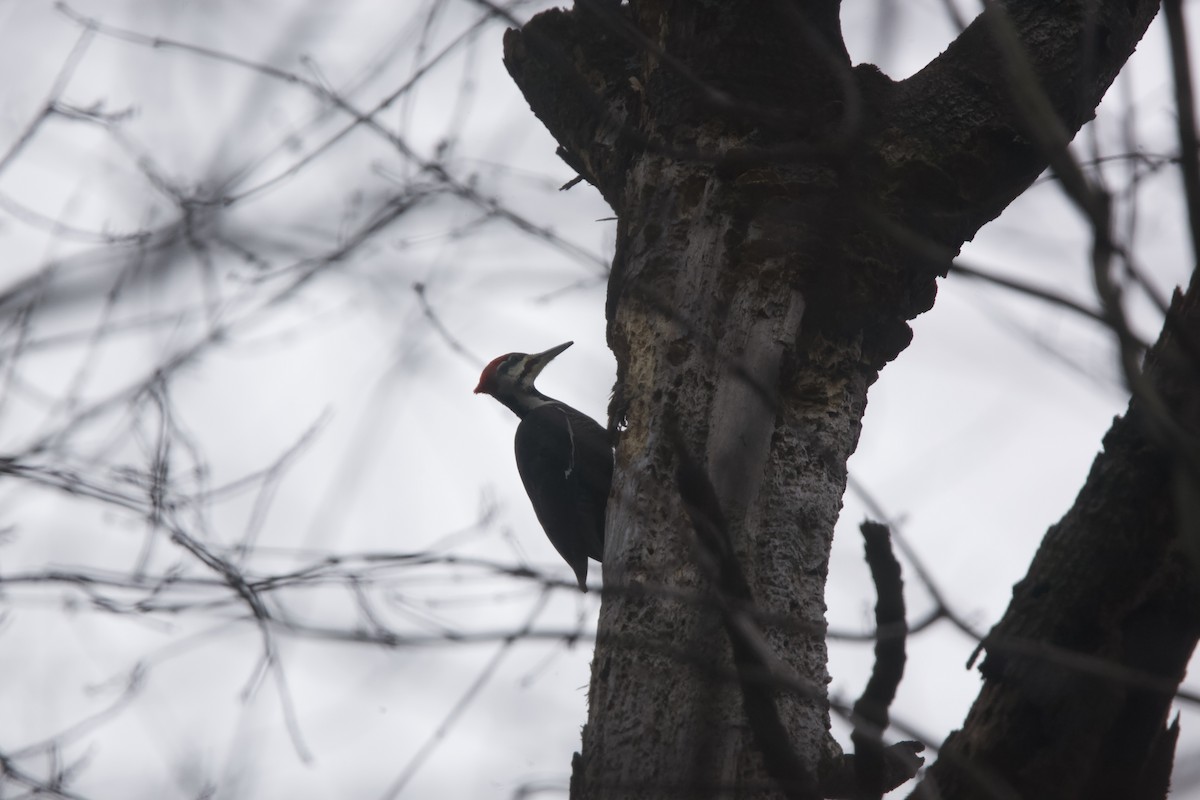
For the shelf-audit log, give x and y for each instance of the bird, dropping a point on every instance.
(563, 455)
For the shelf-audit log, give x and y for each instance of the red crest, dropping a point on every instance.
(489, 373)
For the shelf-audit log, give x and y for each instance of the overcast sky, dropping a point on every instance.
(314, 403)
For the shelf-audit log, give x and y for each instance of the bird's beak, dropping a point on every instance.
(540, 360)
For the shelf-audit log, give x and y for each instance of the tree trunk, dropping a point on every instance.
(1081, 672)
(781, 216)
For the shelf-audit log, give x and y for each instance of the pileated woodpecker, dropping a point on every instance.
(563, 456)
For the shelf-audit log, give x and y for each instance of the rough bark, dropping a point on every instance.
(778, 210)
(1081, 672)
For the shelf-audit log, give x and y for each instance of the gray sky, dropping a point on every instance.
(285, 317)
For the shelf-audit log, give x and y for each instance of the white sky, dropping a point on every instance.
(976, 438)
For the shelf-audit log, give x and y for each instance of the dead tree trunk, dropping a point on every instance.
(1081, 672)
(782, 215)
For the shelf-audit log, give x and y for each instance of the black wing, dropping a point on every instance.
(566, 465)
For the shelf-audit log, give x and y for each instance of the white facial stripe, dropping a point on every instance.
(571, 436)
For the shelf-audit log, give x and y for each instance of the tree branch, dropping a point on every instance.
(1112, 583)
